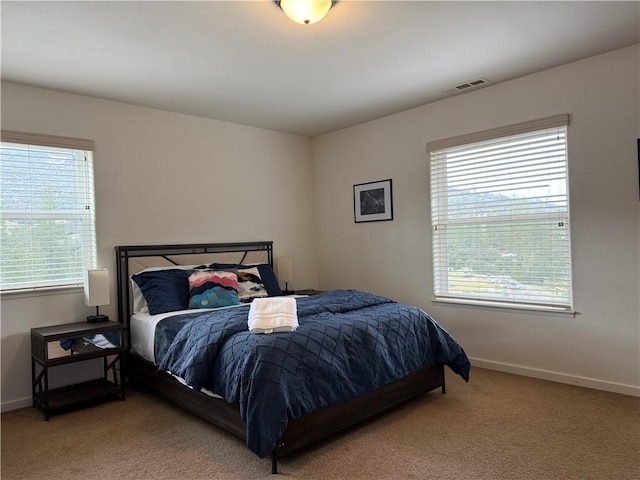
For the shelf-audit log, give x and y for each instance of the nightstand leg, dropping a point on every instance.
(121, 378)
(33, 382)
(40, 393)
(46, 393)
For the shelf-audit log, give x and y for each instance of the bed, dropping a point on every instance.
(349, 356)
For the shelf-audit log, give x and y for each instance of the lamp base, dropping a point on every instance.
(97, 318)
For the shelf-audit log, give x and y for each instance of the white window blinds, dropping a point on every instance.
(500, 215)
(47, 211)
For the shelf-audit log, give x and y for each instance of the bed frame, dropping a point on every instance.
(301, 431)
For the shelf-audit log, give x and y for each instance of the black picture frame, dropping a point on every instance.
(373, 201)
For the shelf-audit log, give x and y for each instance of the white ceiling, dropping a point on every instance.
(246, 62)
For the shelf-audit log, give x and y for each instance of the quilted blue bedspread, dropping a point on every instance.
(348, 343)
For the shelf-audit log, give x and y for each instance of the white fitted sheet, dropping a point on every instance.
(143, 330)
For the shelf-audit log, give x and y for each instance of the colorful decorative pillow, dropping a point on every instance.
(212, 288)
(250, 285)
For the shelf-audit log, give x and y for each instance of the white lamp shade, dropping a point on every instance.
(284, 269)
(306, 12)
(96, 287)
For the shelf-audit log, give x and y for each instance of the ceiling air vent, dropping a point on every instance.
(478, 82)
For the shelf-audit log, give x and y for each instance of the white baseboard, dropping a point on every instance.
(15, 404)
(557, 377)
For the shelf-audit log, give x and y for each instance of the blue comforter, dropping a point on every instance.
(348, 343)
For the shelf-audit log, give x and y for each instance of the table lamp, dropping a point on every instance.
(96, 292)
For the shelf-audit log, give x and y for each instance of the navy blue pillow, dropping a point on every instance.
(267, 274)
(165, 290)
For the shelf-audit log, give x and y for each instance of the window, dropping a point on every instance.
(47, 222)
(500, 216)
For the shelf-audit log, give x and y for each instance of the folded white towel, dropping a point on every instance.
(274, 314)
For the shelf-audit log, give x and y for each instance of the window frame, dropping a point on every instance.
(82, 149)
(438, 193)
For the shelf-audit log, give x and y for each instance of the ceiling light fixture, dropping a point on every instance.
(305, 12)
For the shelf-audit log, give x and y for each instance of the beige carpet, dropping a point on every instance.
(499, 426)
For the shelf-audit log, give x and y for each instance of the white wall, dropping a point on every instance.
(600, 346)
(161, 178)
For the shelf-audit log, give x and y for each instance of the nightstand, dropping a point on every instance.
(75, 342)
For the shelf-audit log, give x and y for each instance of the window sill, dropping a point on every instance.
(41, 292)
(497, 306)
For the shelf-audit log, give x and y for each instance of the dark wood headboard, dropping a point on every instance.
(132, 259)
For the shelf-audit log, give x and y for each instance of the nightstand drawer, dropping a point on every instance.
(62, 344)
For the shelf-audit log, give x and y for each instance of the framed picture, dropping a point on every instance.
(372, 202)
